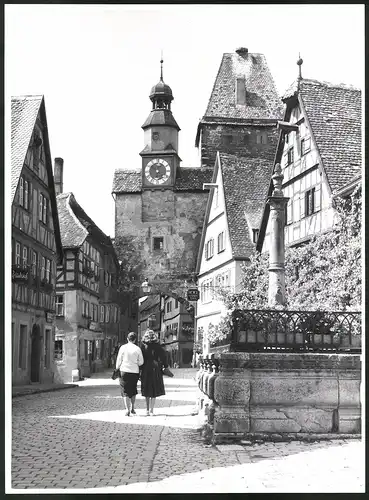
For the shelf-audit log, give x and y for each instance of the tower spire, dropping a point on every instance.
(161, 66)
(299, 63)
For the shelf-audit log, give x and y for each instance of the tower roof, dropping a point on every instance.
(262, 100)
(161, 89)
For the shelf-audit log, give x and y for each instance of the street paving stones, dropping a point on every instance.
(80, 441)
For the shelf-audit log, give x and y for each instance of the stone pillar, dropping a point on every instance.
(277, 203)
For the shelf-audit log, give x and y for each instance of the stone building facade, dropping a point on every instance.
(36, 244)
(160, 207)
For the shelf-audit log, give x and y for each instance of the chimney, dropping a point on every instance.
(58, 175)
(242, 51)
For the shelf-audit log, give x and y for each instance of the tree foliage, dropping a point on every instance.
(323, 274)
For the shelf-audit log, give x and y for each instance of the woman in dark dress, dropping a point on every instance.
(152, 384)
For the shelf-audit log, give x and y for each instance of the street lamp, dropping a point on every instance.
(146, 287)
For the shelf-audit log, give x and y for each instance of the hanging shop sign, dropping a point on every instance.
(193, 294)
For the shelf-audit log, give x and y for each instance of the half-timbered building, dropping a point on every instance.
(87, 303)
(319, 151)
(36, 244)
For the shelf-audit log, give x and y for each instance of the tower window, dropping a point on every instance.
(240, 91)
(255, 235)
(227, 139)
(158, 243)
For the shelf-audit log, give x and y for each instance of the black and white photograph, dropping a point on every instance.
(183, 248)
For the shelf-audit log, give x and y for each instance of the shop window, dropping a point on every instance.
(58, 350)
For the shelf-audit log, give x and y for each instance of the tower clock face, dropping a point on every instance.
(157, 171)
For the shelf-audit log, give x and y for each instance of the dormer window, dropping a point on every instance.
(240, 91)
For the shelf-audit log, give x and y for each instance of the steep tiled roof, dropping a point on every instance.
(246, 182)
(192, 178)
(75, 224)
(130, 181)
(24, 111)
(334, 113)
(262, 100)
(127, 181)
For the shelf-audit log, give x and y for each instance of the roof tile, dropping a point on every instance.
(334, 113)
(246, 182)
(262, 100)
(24, 111)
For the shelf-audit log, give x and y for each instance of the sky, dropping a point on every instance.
(96, 64)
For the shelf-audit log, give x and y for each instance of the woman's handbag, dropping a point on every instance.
(116, 374)
(167, 372)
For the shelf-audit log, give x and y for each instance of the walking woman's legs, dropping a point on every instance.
(127, 403)
(133, 401)
(147, 404)
(152, 404)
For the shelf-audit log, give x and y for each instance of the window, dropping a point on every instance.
(221, 242)
(107, 314)
(58, 350)
(59, 305)
(209, 249)
(290, 156)
(102, 314)
(17, 254)
(48, 271)
(309, 202)
(24, 190)
(47, 348)
(261, 138)
(206, 291)
(43, 268)
(240, 91)
(22, 347)
(25, 257)
(115, 314)
(255, 234)
(246, 139)
(158, 243)
(227, 139)
(169, 306)
(176, 304)
(94, 312)
(43, 208)
(86, 309)
(305, 145)
(34, 263)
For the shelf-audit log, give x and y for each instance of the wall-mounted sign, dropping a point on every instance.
(193, 294)
(50, 317)
(94, 326)
(19, 274)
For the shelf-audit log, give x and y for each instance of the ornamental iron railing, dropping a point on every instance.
(278, 330)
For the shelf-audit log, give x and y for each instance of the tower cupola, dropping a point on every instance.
(161, 94)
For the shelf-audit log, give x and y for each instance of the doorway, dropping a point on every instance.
(35, 353)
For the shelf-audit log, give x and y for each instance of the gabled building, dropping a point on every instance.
(243, 109)
(87, 300)
(178, 331)
(230, 232)
(36, 244)
(320, 154)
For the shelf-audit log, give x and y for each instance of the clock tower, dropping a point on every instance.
(160, 160)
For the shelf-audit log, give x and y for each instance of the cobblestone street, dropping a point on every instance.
(80, 439)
